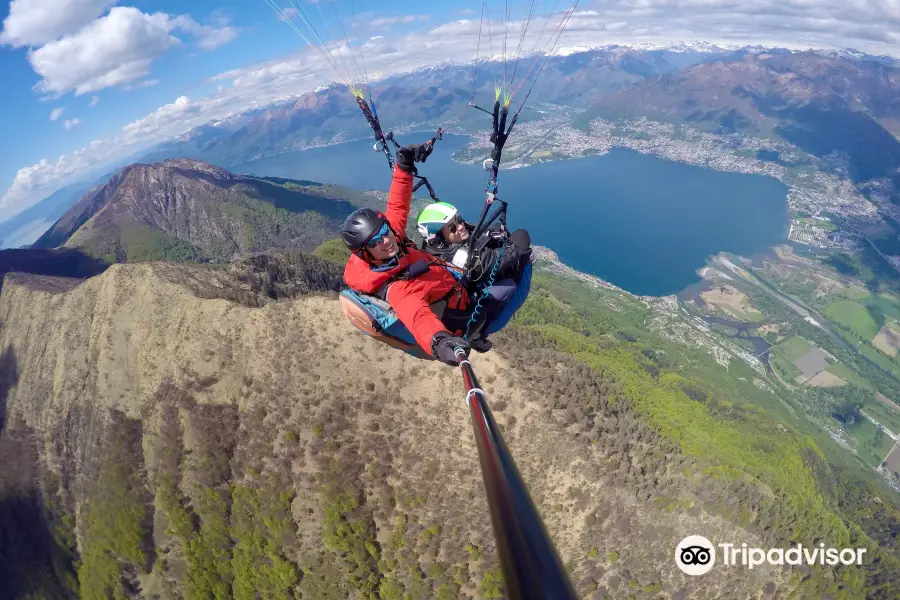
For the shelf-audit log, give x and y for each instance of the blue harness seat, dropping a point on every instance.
(375, 317)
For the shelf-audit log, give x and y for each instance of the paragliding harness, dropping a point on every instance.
(378, 319)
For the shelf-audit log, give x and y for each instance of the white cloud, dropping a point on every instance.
(397, 20)
(871, 26)
(117, 49)
(71, 123)
(56, 113)
(147, 83)
(209, 37)
(113, 50)
(36, 22)
(33, 179)
(164, 119)
(37, 181)
(95, 100)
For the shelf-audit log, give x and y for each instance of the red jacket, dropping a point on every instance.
(410, 299)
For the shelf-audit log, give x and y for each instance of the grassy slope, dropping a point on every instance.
(884, 415)
(849, 376)
(733, 427)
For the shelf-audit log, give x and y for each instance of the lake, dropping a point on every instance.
(640, 222)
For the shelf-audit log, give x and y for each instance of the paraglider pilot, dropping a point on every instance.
(385, 263)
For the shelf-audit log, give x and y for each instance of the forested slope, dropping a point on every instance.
(223, 432)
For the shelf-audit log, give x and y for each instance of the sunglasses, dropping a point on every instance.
(380, 235)
(454, 224)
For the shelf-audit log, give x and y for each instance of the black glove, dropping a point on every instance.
(408, 155)
(444, 346)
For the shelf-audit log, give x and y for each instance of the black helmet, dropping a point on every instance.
(360, 226)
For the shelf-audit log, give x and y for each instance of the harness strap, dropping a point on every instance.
(420, 267)
(410, 271)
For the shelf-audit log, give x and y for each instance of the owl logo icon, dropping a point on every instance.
(695, 555)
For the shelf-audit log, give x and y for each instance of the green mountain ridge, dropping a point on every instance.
(190, 211)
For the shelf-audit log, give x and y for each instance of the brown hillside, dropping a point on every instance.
(350, 466)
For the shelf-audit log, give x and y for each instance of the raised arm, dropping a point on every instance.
(402, 184)
(399, 199)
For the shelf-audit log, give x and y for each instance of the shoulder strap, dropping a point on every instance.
(410, 271)
(413, 270)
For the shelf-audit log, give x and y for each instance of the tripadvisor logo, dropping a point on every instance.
(696, 555)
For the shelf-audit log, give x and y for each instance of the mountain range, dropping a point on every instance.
(839, 103)
(836, 103)
(824, 105)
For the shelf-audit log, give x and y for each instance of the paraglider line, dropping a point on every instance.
(521, 42)
(331, 35)
(505, 38)
(560, 29)
(362, 54)
(544, 28)
(477, 51)
(328, 59)
(312, 28)
(490, 39)
(346, 39)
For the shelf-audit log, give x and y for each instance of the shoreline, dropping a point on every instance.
(557, 266)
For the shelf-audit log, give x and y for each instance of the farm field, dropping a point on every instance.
(874, 445)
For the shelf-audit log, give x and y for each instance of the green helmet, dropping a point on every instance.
(433, 217)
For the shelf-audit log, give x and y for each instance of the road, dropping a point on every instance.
(890, 433)
(808, 314)
(880, 253)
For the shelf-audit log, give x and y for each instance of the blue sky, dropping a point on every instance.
(30, 135)
(122, 75)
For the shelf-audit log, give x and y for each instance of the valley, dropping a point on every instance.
(811, 341)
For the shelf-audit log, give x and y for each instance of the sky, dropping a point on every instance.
(88, 83)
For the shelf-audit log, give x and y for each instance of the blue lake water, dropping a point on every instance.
(640, 222)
